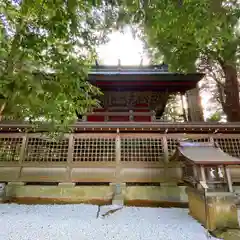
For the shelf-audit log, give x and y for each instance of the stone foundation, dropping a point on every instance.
(219, 211)
(164, 195)
(71, 193)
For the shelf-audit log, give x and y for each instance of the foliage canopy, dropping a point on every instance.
(46, 48)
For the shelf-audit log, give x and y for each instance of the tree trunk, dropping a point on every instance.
(221, 93)
(185, 118)
(232, 104)
(195, 111)
(1, 110)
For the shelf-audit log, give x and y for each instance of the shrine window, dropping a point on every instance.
(214, 174)
(215, 178)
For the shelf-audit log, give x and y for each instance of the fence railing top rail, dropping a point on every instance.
(195, 127)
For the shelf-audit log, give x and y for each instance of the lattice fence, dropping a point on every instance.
(42, 149)
(102, 148)
(94, 149)
(230, 145)
(10, 148)
(141, 149)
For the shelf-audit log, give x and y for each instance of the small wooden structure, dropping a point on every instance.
(210, 191)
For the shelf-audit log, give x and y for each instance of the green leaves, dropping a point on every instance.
(216, 117)
(181, 34)
(46, 48)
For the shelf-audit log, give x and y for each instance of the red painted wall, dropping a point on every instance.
(142, 108)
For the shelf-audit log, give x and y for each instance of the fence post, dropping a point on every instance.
(22, 150)
(229, 180)
(22, 153)
(211, 139)
(70, 156)
(165, 149)
(118, 157)
(131, 116)
(118, 187)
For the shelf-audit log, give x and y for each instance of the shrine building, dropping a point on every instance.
(140, 93)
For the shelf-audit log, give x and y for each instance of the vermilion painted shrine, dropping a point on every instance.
(137, 94)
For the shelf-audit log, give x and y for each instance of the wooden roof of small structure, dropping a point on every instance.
(204, 154)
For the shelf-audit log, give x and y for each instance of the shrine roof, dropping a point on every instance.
(142, 78)
(205, 154)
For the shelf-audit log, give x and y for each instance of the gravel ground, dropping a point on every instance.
(79, 222)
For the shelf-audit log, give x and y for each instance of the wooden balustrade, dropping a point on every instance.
(93, 157)
(129, 113)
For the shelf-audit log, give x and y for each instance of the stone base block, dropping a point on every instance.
(16, 183)
(215, 211)
(118, 200)
(66, 184)
(2, 192)
(118, 190)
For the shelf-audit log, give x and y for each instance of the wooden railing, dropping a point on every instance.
(130, 114)
(160, 127)
(92, 157)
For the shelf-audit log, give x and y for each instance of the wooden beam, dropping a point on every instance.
(229, 180)
(203, 176)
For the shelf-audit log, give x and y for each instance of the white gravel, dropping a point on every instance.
(79, 222)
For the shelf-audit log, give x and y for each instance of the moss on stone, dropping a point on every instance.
(227, 234)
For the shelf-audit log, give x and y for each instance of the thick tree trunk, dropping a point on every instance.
(232, 104)
(195, 111)
(221, 93)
